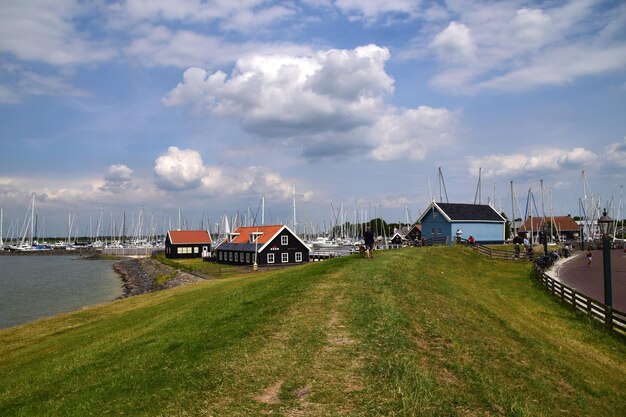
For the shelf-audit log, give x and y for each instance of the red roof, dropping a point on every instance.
(268, 232)
(179, 237)
(563, 224)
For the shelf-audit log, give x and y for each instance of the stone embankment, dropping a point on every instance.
(145, 275)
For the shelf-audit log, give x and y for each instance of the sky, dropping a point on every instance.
(151, 106)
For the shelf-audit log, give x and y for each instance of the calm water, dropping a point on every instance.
(32, 287)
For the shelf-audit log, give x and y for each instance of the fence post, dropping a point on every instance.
(608, 317)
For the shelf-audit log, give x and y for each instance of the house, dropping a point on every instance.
(398, 238)
(565, 227)
(265, 245)
(415, 233)
(187, 244)
(478, 220)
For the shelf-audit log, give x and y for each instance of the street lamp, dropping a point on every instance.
(605, 223)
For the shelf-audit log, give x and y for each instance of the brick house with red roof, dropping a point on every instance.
(267, 245)
(566, 226)
(188, 244)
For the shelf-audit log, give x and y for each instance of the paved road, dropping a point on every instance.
(590, 280)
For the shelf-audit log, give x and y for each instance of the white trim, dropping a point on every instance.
(282, 257)
(268, 258)
(298, 255)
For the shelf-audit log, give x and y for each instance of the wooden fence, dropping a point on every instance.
(611, 318)
(499, 253)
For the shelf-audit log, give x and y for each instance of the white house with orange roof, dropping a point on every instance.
(265, 245)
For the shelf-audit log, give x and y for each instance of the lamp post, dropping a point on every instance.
(605, 223)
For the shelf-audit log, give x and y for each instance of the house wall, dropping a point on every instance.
(275, 247)
(190, 250)
(435, 225)
(482, 232)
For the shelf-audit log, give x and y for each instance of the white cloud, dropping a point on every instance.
(280, 95)
(117, 178)
(454, 44)
(411, 134)
(330, 103)
(179, 169)
(616, 153)
(242, 16)
(44, 31)
(253, 179)
(542, 161)
(162, 46)
(374, 9)
(521, 48)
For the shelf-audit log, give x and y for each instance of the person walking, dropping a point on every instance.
(589, 256)
(368, 239)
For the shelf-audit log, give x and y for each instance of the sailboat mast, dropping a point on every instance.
(479, 188)
(512, 211)
(263, 211)
(295, 223)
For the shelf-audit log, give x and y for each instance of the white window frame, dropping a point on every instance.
(298, 256)
(270, 258)
(247, 258)
(284, 240)
(196, 249)
(230, 256)
(236, 256)
(284, 257)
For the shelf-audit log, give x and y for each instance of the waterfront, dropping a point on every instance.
(33, 287)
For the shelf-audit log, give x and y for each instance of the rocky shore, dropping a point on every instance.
(145, 275)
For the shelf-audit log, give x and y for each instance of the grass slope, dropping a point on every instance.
(416, 332)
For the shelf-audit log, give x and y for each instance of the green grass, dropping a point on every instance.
(209, 269)
(415, 332)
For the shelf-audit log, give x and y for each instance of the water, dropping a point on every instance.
(33, 287)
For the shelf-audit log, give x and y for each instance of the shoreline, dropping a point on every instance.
(138, 275)
(145, 275)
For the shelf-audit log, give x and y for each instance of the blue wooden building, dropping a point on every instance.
(478, 220)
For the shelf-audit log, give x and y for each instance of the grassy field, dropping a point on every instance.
(416, 332)
(197, 265)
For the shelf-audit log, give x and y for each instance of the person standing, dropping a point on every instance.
(368, 239)
(589, 256)
(459, 235)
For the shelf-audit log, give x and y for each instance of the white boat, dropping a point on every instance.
(322, 242)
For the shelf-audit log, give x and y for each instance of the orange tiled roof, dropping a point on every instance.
(563, 223)
(178, 237)
(268, 233)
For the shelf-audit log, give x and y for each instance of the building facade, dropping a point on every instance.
(187, 244)
(263, 245)
(443, 220)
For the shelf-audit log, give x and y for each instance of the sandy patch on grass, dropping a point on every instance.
(271, 394)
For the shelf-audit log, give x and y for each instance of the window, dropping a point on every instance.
(230, 256)
(435, 214)
(284, 240)
(195, 249)
(247, 258)
(270, 258)
(284, 257)
(433, 231)
(439, 230)
(298, 256)
(236, 256)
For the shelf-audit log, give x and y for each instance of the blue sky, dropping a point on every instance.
(209, 105)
